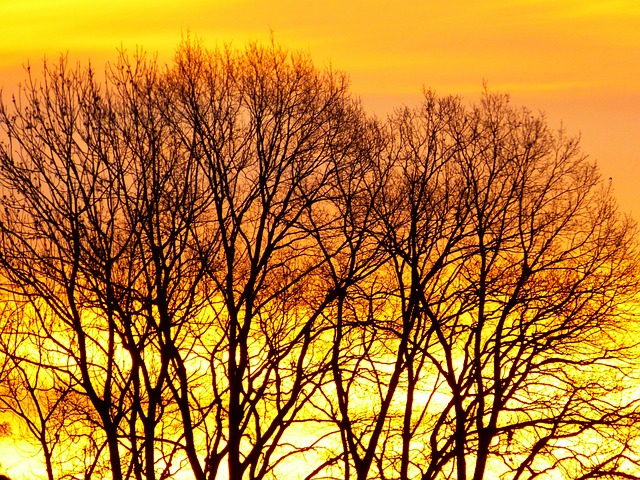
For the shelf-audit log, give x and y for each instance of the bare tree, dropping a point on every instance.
(515, 275)
(161, 225)
(224, 268)
(97, 234)
(272, 134)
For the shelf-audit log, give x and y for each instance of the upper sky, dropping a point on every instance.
(577, 60)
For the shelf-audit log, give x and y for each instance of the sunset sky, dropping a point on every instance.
(578, 60)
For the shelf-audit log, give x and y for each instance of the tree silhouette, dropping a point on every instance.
(225, 269)
(513, 269)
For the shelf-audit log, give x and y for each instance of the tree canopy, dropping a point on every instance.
(226, 268)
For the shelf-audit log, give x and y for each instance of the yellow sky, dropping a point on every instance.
(579, 60)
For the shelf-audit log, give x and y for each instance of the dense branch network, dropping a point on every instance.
(226, 269)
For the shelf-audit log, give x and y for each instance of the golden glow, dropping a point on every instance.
(548, 41)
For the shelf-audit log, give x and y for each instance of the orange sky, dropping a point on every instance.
(579, 60)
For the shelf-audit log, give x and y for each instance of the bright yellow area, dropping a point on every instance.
(451, 45)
